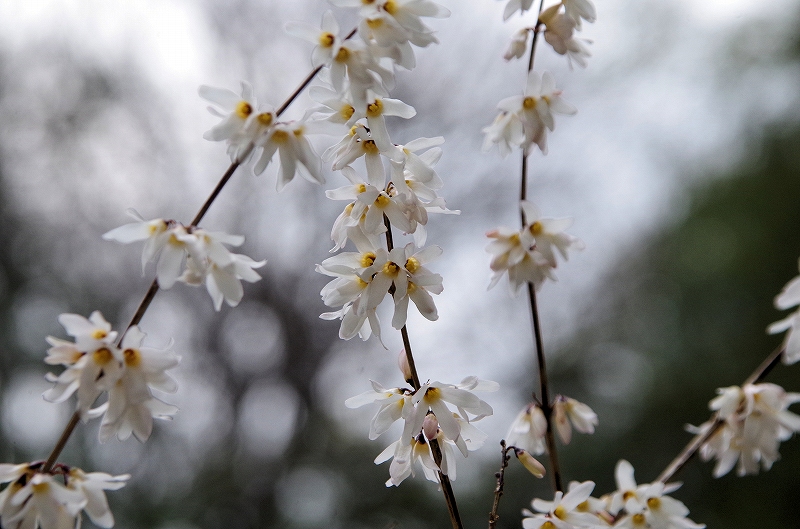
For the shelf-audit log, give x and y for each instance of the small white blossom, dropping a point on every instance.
(295, 152)
(564, 511)
(528, 430)
(568, 412)
(788, 298)
(327, 39)
(516, 5)
(517, 45)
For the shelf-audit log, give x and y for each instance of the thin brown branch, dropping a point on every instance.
(498, 489)
(447, 488)
(694, 445)
(62, 442)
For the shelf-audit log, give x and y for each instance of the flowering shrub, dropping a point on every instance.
(392, 189)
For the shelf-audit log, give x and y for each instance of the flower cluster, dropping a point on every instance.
(631, 506)
(528, 255)
(427, 417)
(529, 428)
(191, 255)
(128, 372)
(788, 298)
(35, 499)
(559, 28)
(755, 420)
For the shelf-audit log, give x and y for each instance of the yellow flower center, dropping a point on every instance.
(536, 228)
(99, 334)
(298, 132)
(412, 265)
(367, 259)
(391, 269)
(654, 503)
(280, 136)
(41, 488)
(326, 40)
(243, 109)
(132, 357)
(375, 109)
(583, 506)
(347, 112)
(102, 356)
(548, 525)
(374, 23)
(342, 55)
(360, 189)
(628, 494)
(362, 283)
(560, 512)
(390, 7)
(638, 519)
(412, 287)
(265, 118)
(528, 103)
(370, 147)
(382, 201)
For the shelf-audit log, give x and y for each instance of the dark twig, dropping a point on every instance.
(498, 490)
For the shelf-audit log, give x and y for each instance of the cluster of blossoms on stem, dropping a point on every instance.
(755, 420)
(631, 506)
(788, 298)
(191, 255)
(34, 498)
(426, 417)
(528, 430)
(528, 255)
(94, 364)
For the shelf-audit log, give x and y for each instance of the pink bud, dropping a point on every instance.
(430, 426)
(529, 462)
(402, 363)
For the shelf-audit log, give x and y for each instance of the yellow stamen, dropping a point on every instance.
(102, 356)
(326, 40)
(132, 357)
(536, 228)
(391, 269)
(548, 525)
(342, 55)
(374, 23)
(654, 503)
(583, 506)
(375, 109)
(265, 118)
(412, 265)
(367, 259)
(560, 512)
(390, 7)
(370, 147)
(382, 201)
(298, 132)
(528, 103)
(639, 519)
(99, 334)
(243, 109)
(347, 112)
(280, 136)
(41, 488)
(360, 189)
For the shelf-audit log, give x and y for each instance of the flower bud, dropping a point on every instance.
(529, 462)
(430, 426)
(402, 363)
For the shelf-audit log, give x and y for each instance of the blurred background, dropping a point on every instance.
(681, 171)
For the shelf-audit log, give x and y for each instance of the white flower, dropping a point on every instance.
(788, 298)
(567, 410)
(559, 34)
(355, 62)
(436, 395)
(35, 500)
(564, 512)
(131, 405)
(505, 132)
(576, 10)
(295, 151)
(528, 430)
(517, 45)
(392, 402)
(327, 40)
(377, 109)
(516, 5)
(404, 454)
(536, 107)
(92, 486)
(241, 123)
(756, 420)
